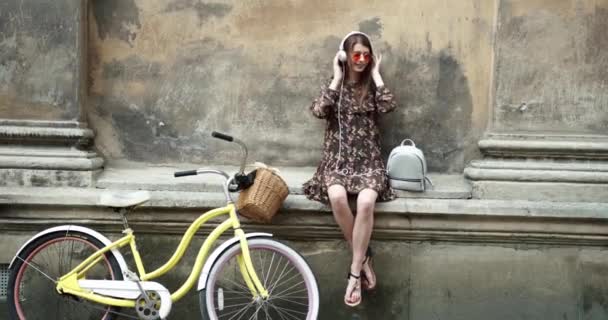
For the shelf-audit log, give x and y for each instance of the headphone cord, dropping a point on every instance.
(340, 120)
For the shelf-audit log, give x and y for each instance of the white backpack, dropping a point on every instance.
(407, 168)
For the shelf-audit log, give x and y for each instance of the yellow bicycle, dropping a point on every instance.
(74, 272)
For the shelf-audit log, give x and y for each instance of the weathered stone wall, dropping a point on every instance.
(443, 281)
(429, 281)
(164, 74)
(550, 112)
(44, 139)
(40, 60)
(552, 67)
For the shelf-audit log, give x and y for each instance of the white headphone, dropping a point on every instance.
(342, 50)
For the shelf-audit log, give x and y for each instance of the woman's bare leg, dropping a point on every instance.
(362, 231)
(344, 217)
(342, 213)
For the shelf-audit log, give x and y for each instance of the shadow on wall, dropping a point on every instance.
(435, 108)
(114, 17)
(434, 102)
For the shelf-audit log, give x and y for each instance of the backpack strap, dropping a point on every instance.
(427, 179)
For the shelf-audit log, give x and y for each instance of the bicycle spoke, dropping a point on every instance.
(281, 272)
(292, 295)
(285, 282)
(46, 259)
(291, 301)
(236, 305)
(41, 272)
(280, 293)
(242, 293)
(289, 311)
(275, 281)
(71, 256)
(280, 277)
(266, 311)
(263, 264)
(237, 312)
(268, 273)
(280, 313)
(256, 313)
(245, 289)
(236, 298)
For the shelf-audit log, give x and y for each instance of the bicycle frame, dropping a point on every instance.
(69, 282)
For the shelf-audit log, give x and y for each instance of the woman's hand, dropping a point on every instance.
(338, 73)
(376, 71)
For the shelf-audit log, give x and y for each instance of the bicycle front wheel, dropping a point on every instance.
(32, 280)
(283, 272)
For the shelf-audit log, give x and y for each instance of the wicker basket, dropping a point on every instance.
(262, 200)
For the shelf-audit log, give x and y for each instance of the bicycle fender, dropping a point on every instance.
(121, 260)
(202, 280)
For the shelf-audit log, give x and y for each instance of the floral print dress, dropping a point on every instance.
(355, 162)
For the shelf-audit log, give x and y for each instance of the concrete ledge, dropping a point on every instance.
(166, 200)
(545, 145)
(454, 220)
(125, 175)
(446, 214)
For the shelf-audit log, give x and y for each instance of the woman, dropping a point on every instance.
(352, 162)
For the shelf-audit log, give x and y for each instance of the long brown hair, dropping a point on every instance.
(365, 82)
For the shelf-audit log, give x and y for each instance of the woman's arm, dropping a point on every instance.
(323, 105)
(385, 100)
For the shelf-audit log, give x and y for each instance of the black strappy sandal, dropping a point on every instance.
(356, 287)
(365, 280)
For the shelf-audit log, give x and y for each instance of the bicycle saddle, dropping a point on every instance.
(123, 200)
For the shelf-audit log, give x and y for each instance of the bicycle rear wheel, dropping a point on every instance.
(32, 279)
(285, 274)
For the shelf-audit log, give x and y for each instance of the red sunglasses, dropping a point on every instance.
(365, 56)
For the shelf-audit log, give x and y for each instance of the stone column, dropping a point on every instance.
(44, 139)
(548, 138)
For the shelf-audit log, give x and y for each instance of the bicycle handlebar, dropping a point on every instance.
(240, 179)
(185, 173)
(226, 185)
(222, 136)
(229, 138)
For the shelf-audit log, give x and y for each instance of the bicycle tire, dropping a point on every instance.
(264, 252)
(31, 295)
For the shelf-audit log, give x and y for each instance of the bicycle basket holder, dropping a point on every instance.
(262, 200)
